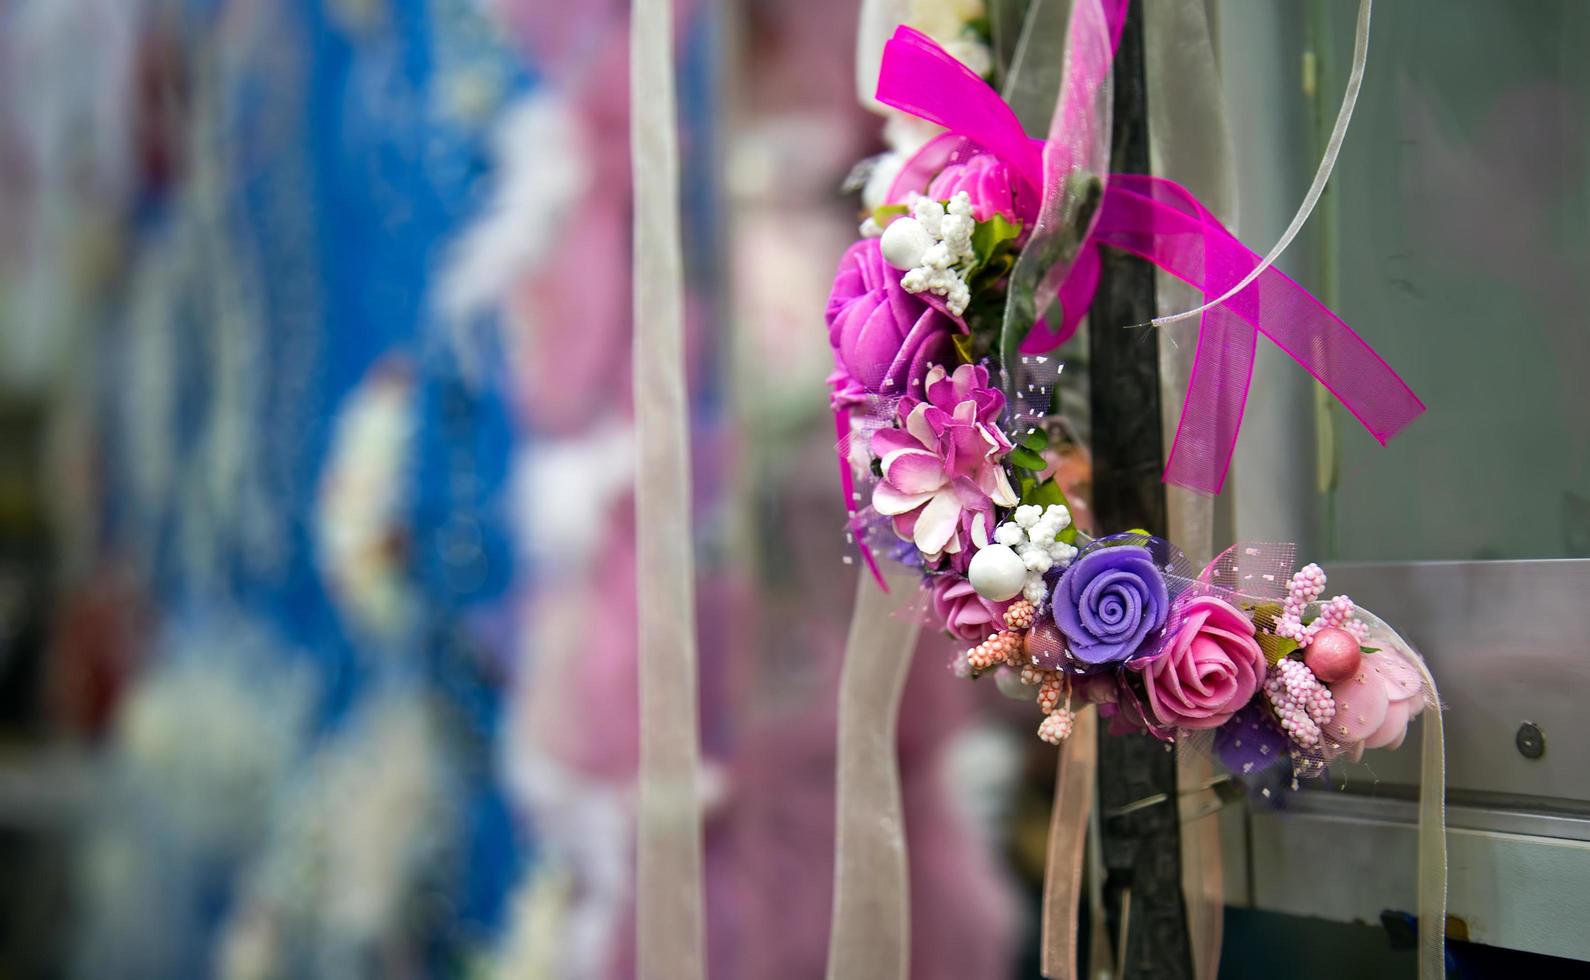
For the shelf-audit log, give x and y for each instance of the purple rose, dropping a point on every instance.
(1110, 602)
(883, 337)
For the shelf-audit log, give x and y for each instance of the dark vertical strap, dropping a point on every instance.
(1142, 849)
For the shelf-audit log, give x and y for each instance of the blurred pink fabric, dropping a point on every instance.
(770, 651)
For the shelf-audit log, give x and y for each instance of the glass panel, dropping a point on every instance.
(1456, 239)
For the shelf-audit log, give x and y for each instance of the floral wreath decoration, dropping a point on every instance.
(946, 434)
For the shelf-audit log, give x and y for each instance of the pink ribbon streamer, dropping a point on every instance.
(1161, 221)
(921, 78)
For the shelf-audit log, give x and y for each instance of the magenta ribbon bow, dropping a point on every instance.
(1161, 221)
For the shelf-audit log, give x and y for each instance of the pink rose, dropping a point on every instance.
(1208, 670)
(965, 613)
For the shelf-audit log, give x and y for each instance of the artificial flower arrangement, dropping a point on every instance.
(933, 409)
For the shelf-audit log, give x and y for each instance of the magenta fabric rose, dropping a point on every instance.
(941, 470)
(985, 180)
(965, 613)
(1208, 670)
(883, 337)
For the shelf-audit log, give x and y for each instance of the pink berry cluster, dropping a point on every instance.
(1305, 587)
(1008, 648)
(999, 648)
(1049, 693)
(1021, 615)
(1004, 647)
(1303, 704)
(1058, 719)
(1338, 612)
(1055, 728)
(1032, 675)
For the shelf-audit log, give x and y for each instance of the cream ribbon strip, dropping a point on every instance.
(1322, 176)
(1432, 806)
(1068, 832)
(1203, 874)
(1189, 143)
(669, 927)
(1432, 839)
(875, 21)
(871, 934)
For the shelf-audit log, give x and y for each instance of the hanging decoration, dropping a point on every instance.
(978, 260)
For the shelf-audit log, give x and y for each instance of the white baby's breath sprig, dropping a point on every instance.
(934, 248)
(1033, 534)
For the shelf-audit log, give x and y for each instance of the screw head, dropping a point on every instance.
(1531, 741)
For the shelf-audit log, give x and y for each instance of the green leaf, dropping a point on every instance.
(1037, 440)
(990, 276)
(990, 234)
(1045, 493)
(1123, 539)
(885, 213)
(1026, 459)
(1265, 614)
(1275, 647)
(963, 347)
(1369, 649)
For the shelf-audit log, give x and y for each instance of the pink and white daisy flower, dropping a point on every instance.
(942, 475)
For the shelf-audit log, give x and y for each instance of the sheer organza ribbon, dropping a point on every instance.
(670, 927)
(870, 934)
(1432, 804)
(1162, 222)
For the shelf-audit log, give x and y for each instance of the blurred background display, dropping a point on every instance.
(317, 567)
(1460, 215)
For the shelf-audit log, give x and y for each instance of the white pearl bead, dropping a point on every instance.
(904, 242)
(997, 573)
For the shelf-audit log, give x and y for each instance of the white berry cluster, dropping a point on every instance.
(934, 246)
(1032, 534)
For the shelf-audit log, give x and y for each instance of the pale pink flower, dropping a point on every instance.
(963, 612)
(942, 475)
